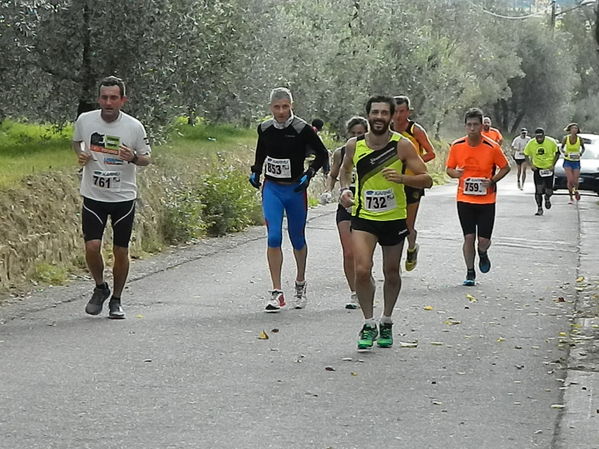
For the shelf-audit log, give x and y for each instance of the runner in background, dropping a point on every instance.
(572, 148)
(518, 145)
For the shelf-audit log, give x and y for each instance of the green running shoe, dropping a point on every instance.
(367, 337)
(385, 339)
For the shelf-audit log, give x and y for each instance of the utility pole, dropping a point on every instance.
(553, 14)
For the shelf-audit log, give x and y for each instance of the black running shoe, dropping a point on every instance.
(101, 294)
(470, 277)
(547, 203)
(115, 310)
(484, 264)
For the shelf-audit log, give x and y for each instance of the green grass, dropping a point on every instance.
(26, 149)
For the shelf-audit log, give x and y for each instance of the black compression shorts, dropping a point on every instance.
(388, 233)
(475, 217)
(342, 214)
(94, 216)
(413, 194)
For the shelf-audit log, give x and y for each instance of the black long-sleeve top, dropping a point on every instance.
(284, 150)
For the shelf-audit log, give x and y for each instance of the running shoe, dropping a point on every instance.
(547, 203)
(301, 300)
(101, 294)
(519, 185)
(276, 301)
(385, 339)
(353, 302)
(470, 277)
(368, 335)
(115, 311)
(412, 258)
(484, 264)
(577, 195)
(539, 211)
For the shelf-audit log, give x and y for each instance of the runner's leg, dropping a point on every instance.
(391, 271)
(364, 244)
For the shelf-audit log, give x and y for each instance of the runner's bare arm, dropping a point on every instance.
(422, 138)
(334, 173)
(498, 176)
(420, 179)
(82, 156)
(347, 164)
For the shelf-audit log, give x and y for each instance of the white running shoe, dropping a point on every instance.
(276, 301)
(301, 300)
(353, 302)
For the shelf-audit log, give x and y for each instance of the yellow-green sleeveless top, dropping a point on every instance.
(376, 198)
(572, 150)
(409, 133)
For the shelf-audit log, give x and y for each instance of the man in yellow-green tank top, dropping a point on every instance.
(381, 158)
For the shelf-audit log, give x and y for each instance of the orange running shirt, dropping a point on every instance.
(478, 162)
(493, 133)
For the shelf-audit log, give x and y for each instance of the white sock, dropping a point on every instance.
(370, 322)
(300, 284)
(386, 320)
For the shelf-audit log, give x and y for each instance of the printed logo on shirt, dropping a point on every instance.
(113, 161)
(101, 143)
(541, 151)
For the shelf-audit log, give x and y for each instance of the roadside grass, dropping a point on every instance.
(27, 149)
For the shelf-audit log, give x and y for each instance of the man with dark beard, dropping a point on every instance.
(379, 210)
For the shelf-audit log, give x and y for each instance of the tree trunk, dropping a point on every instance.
(86, 76)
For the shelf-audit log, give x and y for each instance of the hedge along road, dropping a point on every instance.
(187, 369)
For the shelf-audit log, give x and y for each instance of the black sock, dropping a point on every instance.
(103, 285)
(115, 299)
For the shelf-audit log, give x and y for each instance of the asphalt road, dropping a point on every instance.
(187, 369)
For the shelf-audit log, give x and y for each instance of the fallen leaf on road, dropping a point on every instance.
(428, 307)
(500, 339)
(560, 299)
(437, 403)
(408, 344)
(353, 373)
(451, 322)
(563, 334)
(274, 331)
(147, 360)
(329, 368)
(471, 298)
(558, 406)
(263, 335)
(580, 279)
(437, 343)
(347, 359)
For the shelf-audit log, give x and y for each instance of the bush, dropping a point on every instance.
(229, 203)
(183, 217)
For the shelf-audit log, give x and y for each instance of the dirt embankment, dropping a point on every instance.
(40, 225)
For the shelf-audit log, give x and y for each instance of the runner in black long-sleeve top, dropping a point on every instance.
(283, 143)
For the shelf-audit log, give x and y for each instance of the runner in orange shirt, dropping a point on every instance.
(473, 160)
(490, 132)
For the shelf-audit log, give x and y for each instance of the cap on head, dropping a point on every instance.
(540, 131)
(569, 127)
(523, 130)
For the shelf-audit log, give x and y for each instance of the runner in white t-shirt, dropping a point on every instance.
(518, 145)
(110, 146)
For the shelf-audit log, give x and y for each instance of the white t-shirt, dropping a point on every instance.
(106, 177)
(518, 144)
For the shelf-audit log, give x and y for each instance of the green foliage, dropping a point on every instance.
(26, 149)
(183, 219)
(229, 203)
(51, 273)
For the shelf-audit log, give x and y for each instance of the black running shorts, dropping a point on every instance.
(342, 214)
(475, 217)
(94, 216)
(388, 233)
(543, 184)
(413, 194)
